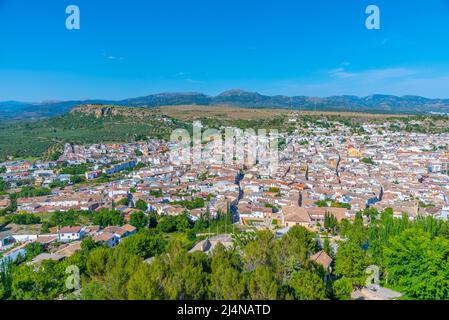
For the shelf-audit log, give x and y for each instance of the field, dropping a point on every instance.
(188, 113)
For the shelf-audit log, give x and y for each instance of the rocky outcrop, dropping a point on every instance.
(102, 111)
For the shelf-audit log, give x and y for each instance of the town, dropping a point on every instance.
(326, 174)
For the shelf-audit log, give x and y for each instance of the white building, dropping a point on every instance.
(67, 234)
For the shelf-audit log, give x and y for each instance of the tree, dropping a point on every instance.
(192, 204)
(45, 282)
(186, 277)
(156, 193)
(75, 170)
(144, 244)
(183, 222)
(69, 218)
(241, 239)
(292, 251)
(226, 281)
(88, 244)
(109, 271)
(259, 253)
(342, 289)
(141, 205)
(96, 264)
(45, 228)
(25, 219)
(106, 218)
(262, 285)
(152, 220)
(369, 161)
(28, 192)
(32, 250)
(6, 271)
(370, 213)
(330, 222)
(77, 179)
(57, 183)
(418, 264)
(145, 283)
(3, 185)
(344, 228)
(139, 220)
(123, 202)
(356, 232)
(167, 224)
(351, 262)
(308, 285)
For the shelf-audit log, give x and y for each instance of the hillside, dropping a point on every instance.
(86, 124)
(12, 110)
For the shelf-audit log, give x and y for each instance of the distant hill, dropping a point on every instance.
(13, 110)
(10, 110)
(167, 99)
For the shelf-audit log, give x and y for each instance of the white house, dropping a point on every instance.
(108, 238)
(121, 232)
(67, 234)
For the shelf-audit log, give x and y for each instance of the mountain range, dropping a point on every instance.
(10, 110)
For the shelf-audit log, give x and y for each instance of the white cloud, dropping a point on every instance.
(112, 57)
(372, 74)
(194, 81)
(340, 73)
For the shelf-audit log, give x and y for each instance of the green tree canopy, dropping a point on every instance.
(144, 244)
(139, 220)
(308, 285)
(418, 264)
(141, 205)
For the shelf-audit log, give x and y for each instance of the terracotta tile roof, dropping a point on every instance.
(295, 214)
(129, 228)
(69, 230)
(115, 230)
(46, 239)
(105, 236)
(339, 213)
(322, 258)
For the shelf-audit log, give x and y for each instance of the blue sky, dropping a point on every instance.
(293, 47)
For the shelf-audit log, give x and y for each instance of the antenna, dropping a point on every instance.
(226, 222)
(208, 217)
